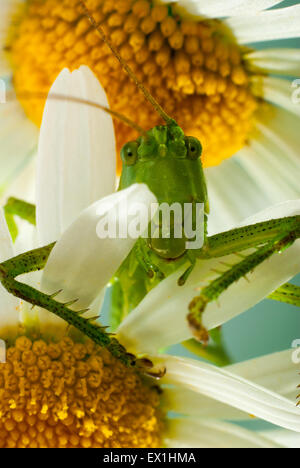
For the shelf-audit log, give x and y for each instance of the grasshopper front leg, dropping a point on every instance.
(268, 238)
(143, 257)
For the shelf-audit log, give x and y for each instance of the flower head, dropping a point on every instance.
(67, 394)
(62, 391)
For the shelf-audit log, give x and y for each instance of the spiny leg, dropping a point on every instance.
(288, 293)
(33, 260)
(235, 272)
(144, 259)
(36, 260)
(191, 257)
(247, 237)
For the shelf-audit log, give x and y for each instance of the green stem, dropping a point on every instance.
(15, 207)
(24, 210)
(213, 353)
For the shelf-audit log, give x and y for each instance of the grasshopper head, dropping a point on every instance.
(168, 162)
(162, 141)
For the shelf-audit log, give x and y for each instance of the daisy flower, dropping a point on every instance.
(66, 392)
(61, 390)
(199, 61)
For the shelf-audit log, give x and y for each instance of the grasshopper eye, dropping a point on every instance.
(129, 153)
(194, 148)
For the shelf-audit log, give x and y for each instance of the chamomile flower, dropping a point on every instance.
(195, 59)
(58, 391)
(62, 391)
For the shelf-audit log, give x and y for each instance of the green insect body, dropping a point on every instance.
(169, 163)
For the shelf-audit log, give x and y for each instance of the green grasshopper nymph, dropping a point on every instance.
(169, 162)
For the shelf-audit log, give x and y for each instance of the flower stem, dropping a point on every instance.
(213, 353)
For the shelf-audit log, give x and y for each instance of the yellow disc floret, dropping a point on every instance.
(193, 67)
(70, 394)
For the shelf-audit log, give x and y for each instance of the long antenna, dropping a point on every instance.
(126, 67)
(61, 97)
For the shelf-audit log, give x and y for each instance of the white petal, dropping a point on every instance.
(275, 372)
(9, 305)
(271, 169)
(281, 150)
(23, 187)
(221, 8)
(76, 160)
(280, 61)
(230, 389)
(148, 329)
(265, 172)
(280, 23)
(190, 403)
(282, 127)
(226, 183)
(82, 263)
(284, 209)
(277, 91)
(287, 439)
(18, 139)
(271, 159)
(195, 433)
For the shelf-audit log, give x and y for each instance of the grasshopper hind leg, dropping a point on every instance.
(287, 293)
(268, 238)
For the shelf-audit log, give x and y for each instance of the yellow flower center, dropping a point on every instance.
(192, 66)
(70, 394)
